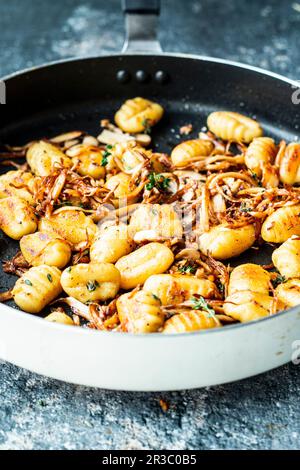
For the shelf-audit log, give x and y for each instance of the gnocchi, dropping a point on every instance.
(282, 224)
(112, 244)
(174, 289)
(59, 317)
(246, 305)
(37, 288)
(43, 157)
(289, 168)
(89, 160)
(17, 217)
(250, 277)
(71, 225)
(121, 185)
(40, 248)
(135, 268)
(261, 151)
(161, 219)
(289, 292)
(286, 258)
(140, 313)
(91, 282)
(233, 126)
(17, 184)
(189, 152)
(222, 242)
(189, 321)
(138, 114)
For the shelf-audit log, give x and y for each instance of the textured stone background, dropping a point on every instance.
(258, 413)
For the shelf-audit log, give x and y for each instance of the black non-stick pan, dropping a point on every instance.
(76, 94)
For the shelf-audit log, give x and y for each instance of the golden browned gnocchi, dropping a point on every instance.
(37, 288)
(282, 224)
(161, 219)
(289, 168)
(222, 242)
(43, 157)
(150, 259)
(71, 225)
(189, 321)
(286, 258)
(189, 152)
(91, 282)
(89, 160)
(174, 289)
(233, 126)
(41, 248)
(112, 244)
(138, 114)
(17, 183)
(260, 152)
(59, 317)
(246, 306)
(249, 277)
(17, 218)
(289, 292)
(121, 185)
(140, 312)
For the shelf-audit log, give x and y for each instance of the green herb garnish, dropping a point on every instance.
(201, 304)
(106, 155)
(221, 287)
(155, 297)
(188, 269)
(158, 181)
(92, 286)
(147, 126)
(50, 279)
(29, 283)
(279, 280)
(245, 208)
(256, 178)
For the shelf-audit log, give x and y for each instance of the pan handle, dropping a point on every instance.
(141, 18)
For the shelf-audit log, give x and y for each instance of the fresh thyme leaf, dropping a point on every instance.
(158, 181)
(256, 178)
(106, 155)
(29, 283)
(188, 269)
(155, 297)
(50, 279)
(245, 208)
(201, 304)
(92, 286)
(220, 287)
(147, 125)
(279, 280)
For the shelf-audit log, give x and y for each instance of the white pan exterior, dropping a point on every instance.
(152, 362)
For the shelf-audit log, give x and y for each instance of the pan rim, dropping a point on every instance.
(202, 58)
(13, 311)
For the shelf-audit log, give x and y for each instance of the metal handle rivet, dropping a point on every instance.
(162, 77)
(142, 76)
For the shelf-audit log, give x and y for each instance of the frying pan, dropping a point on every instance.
(76, 94)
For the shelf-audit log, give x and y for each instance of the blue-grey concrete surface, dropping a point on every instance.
(258, 413)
